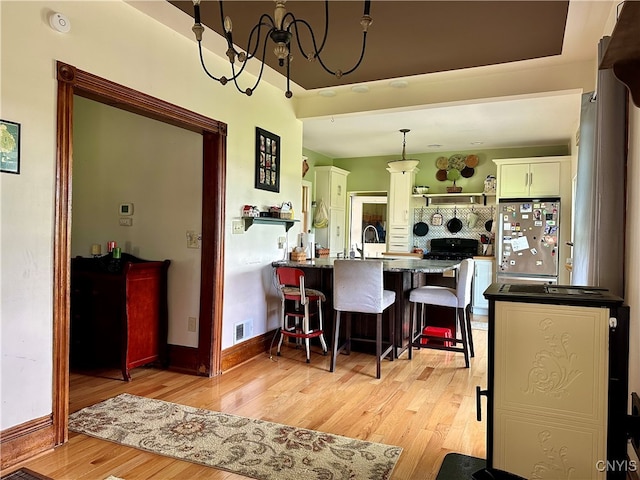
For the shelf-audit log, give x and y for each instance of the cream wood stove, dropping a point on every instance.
(557, 373)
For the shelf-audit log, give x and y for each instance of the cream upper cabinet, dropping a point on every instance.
(531, 177)
(331, 188)
(399, 206)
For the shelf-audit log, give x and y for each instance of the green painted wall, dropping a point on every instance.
(370, 174)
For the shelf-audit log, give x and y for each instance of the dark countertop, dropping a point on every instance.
(553, 294)
(412, 265)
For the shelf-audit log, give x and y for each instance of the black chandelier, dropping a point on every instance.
(281, 28)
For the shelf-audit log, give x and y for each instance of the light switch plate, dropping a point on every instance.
(193, 239)
(237, 227)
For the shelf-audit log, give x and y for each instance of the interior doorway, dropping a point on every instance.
(206, 358)
(368, 214)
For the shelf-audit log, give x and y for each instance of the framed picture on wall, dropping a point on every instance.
(9, 147)
(267, 161)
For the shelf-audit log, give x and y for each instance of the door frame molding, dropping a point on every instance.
(72, 81)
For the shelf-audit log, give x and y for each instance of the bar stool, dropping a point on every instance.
(458, 298)
(358, 288)
(296, 317)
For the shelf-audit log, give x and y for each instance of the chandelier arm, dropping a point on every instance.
(204, 67)
(294, 24)
(288, 93)
(256, 30)
(249, 91)
(364, 46)
(317, 52)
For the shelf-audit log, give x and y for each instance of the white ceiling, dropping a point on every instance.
(479, 126)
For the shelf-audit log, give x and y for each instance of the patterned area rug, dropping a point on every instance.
(254, 448)
(25, 474)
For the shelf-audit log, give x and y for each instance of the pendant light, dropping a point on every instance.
(403, 165)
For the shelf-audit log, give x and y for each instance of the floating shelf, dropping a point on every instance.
(248, 221)
(453, 198)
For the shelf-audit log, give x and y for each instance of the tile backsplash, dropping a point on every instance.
(424, 214)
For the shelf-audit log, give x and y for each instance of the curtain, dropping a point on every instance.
(583, 216)
(598, 253)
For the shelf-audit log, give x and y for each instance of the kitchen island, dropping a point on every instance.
(400, 275)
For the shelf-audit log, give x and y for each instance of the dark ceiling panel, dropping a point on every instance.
(406, 37)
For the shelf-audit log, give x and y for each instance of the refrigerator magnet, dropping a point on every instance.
(512, 262)
(537, 223)
(524, 217)
(526, 208)
(506, 226)
(533, 251)
(538, 263)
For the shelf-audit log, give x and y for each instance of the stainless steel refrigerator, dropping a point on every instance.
(527, 244)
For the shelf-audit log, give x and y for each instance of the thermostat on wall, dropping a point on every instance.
(126, 209)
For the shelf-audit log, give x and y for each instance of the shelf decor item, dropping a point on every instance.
(267, 161)
(453, 175)
(9, 147)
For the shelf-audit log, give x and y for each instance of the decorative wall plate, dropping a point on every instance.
(471, 161)
(442, 163)
(457, 161)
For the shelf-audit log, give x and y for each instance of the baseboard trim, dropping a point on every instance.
(185, 359)
(240, 353)
(26, 440)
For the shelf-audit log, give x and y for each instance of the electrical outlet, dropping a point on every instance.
(191, 327)
(193, 239)
(281, 242)
(237, 226)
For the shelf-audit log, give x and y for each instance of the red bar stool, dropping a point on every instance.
(458, 298)
(296, 315)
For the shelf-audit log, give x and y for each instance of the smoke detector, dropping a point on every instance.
(59, 22)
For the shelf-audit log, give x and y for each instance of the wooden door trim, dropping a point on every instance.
(72, 81)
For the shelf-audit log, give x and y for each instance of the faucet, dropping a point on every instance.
(364, 231)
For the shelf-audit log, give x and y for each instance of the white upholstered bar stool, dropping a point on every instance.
(458, 298)
(358, 288)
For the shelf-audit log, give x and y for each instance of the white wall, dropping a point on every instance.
(114, 40)
(120, 157)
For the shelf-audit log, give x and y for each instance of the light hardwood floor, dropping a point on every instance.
(426, 406)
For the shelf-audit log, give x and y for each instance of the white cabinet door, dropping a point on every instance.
(331, 188)
(529, 179)
(338, 189)
(337, 219)
(400, 185)
(544, 178)
(399, 204)
(482, 278)
(513, 180)
(550, 390)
